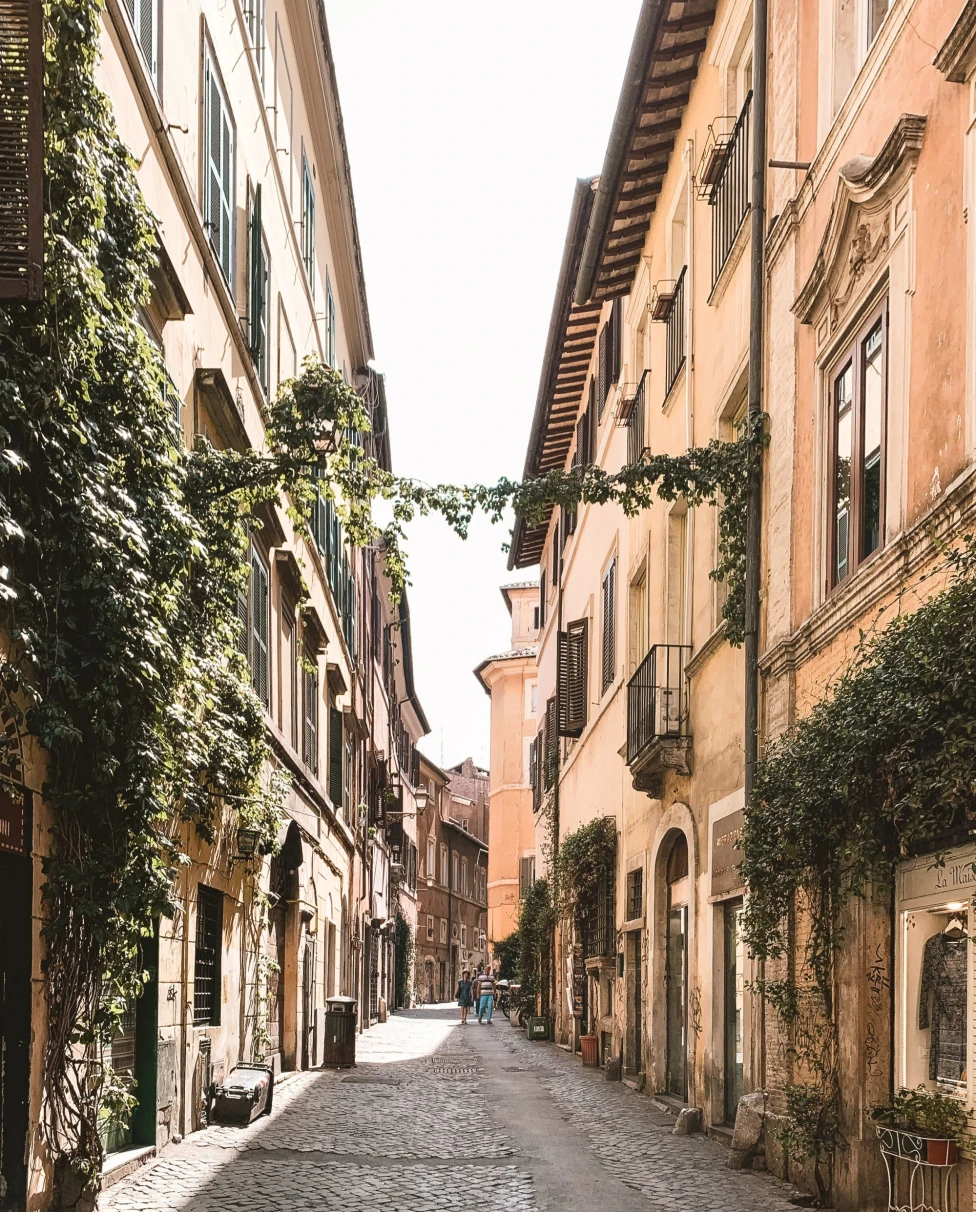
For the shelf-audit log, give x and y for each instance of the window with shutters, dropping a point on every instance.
(348, 768)
(308, 223)
(331, 353)
(259, 628)
(21, 149)
(288, 676)
(455, 882)
(335, 756)
(259, 277)
(219, 170)
(445, 874)
(551, 755)
(543, 587)
(609, 355)
(322, 513)
(254, 15)
(207, 954)
(526, 875)
(571, 661)
(608, 653)
(144, 15)
(310, 714)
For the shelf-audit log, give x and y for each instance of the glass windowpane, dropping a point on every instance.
(843, 435)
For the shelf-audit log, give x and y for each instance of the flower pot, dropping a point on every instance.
(589, 1049)
(941, 1152)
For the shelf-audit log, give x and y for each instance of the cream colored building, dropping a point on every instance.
(511, 681)
(648, 350)
(232, 113)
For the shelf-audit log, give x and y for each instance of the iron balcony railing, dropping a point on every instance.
(730, 196)
(674, 336)
(636, 422)
(657, 698)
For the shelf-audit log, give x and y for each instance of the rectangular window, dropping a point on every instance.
(443, 929)
(308, 223)
(347, 772)
(464, 935)
(542, 596)
(331, 352)
(259, 275)
(254, 15)
(144, 15)
(259, 629)
(550, 770)
(635, 893)
(288, 680)
(431, 869)
(877, 11)
(206, 960)
(526, 875)
(571, 667)
(464, 868)
(430, 927)
(310, 714)
(856, 449)
(455, 884)
(444, 870)
(219, 171)
(609, 646)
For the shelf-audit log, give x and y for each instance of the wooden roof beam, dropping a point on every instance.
(667, 54)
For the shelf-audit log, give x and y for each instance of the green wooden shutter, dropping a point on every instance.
(259, 630)
(219, 169)
(335, 757)
(256, 275)
(551, 757)
(243, 639)
(21, 149)
(609, 653)
(310, 724)
(145, 23)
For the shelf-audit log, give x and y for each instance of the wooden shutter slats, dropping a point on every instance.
(603, 385)
(21, 149)
(259, 630)
(609, 647)
(335, 757)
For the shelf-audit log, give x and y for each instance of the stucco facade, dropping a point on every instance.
(257, 942)
(511, 681)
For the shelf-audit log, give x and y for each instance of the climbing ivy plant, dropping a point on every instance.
(882, 769)
(124, 555)
(585, 858)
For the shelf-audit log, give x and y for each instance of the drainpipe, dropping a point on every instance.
(689, 574)
(754, 484)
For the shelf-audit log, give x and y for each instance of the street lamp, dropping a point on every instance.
(247, 842)
(421, 796)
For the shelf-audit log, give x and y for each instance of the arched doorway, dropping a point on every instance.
(676, 967)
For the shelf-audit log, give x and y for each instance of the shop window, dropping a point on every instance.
(933, 1001)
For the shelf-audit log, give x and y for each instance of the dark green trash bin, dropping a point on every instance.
(538, 1028)
(339, 1051)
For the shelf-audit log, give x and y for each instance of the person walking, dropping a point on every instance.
(486, 994)
(464, 996)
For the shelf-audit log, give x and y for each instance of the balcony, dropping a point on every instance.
(729, 196)
(636, 422)
(668, 308)
(657, 718)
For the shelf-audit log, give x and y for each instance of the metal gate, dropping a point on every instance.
(275, 956)
(374, 974)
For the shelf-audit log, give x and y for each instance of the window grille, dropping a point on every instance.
(206, 964)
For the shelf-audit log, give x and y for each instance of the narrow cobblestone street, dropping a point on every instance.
(439, 1117)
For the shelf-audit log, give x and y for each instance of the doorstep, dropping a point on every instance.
(117, 1166)
(722, 1133)
(669, 1104)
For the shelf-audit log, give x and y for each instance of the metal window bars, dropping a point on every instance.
(657, 698)
(729, 195)
(637, 421)
(674, 337)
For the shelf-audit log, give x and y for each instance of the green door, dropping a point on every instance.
(734, 1004)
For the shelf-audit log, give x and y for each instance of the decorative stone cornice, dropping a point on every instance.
(957, 55)
(858, 230)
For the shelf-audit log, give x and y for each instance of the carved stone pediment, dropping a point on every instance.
(859, 230)
(957, 55)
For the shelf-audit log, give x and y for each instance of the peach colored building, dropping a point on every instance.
(510, 679)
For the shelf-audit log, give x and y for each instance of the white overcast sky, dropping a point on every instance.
(468, 125)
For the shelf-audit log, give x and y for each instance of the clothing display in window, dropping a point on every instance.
(942, 1005)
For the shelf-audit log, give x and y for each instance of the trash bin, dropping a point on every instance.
(538, 1028)
(247, 1093)
(339, 1050)
(589, 1049)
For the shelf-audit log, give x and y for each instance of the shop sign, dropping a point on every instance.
(727, 853)
(924, 877)
(13, 822)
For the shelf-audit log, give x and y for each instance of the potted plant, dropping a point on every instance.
(938, 1119)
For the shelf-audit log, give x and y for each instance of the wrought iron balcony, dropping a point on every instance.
(657, 717)
(674, 337)
(729, 197)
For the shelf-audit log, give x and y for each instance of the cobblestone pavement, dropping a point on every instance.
(436, 1118)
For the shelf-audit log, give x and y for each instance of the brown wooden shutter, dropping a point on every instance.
(603, 383)
(562, 682)
(551, 758)
(335, 757)
(578, 690)
(609, 653)
(21, 149)
(591, 424)
(616, 339)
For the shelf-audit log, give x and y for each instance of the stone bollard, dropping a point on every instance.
(747, 1136)
(689, 1121)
